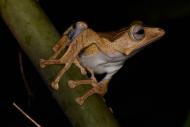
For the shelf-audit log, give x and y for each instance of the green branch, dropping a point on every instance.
(36, 35)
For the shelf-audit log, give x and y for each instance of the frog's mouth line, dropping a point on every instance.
(152, 40)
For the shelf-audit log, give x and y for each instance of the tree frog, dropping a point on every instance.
(98, 53)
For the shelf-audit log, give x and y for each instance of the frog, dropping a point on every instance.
(99, 53)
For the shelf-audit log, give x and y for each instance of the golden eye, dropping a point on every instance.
(137, 32)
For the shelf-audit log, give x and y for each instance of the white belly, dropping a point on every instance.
(101, 63)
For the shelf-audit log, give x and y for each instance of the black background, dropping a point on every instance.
(151, 90)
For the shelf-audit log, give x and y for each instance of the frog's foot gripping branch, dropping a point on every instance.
(97, 88)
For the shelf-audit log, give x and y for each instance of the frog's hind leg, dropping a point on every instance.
(62, 42)
(72, 32)
(55, 83)
(69, 35)
(53, 59)
(68, 58)
(60, 46)
(85, 39)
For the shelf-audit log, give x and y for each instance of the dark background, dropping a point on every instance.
(151, 90)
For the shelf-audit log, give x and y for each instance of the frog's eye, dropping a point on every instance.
(137, 32)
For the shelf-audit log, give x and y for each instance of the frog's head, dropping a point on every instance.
(138, 36)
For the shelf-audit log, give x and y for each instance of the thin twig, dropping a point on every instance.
(26, 115)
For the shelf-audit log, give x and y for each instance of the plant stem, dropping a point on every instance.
(36, 35)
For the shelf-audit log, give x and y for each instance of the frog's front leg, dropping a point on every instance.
(97, 87)
(60, 46)
(82, 69)
(63, 41)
